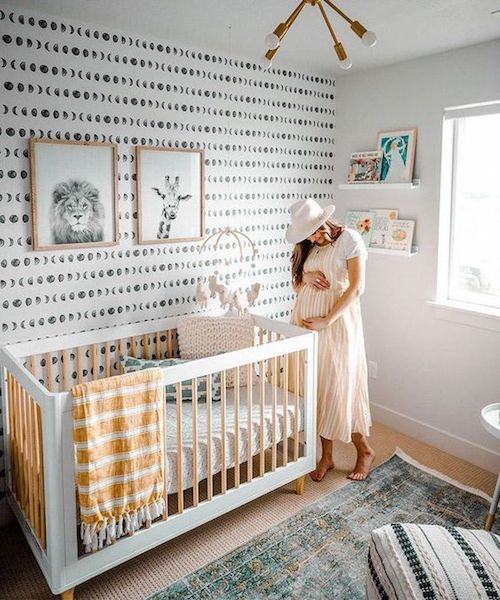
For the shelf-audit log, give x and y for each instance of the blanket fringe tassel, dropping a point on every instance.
(107, 531)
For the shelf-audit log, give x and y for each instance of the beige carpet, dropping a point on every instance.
(20, 578)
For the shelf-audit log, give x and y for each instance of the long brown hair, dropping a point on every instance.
(330, 230)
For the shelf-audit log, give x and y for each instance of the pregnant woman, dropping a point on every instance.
(328, 273)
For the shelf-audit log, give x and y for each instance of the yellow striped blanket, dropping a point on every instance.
(119, 438)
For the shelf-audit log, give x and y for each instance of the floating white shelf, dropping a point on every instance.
(379, 186)
(414, 251)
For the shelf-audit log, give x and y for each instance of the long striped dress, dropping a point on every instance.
(343, 404)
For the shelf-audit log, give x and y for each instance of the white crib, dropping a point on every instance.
(36, 379)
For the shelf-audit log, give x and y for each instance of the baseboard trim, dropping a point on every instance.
(453, 444)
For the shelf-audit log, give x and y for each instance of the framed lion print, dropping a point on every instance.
(73, 194)
(170, 195)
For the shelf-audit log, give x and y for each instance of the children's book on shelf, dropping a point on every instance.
(364, 167)
(400, 235)
(383, 216)
(362, 222)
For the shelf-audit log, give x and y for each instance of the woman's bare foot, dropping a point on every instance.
(324, 465)
(363, 464)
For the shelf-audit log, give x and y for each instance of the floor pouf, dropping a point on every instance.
(432, 562)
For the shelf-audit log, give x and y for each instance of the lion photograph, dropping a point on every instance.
(74, 194)
(77, 213)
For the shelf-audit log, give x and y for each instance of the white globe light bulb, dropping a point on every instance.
(369, 39)
(271, 41)
(346, 64)
(265, 63)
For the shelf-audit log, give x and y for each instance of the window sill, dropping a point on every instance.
(467, 314)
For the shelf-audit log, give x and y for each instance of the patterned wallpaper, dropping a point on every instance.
(268, 140)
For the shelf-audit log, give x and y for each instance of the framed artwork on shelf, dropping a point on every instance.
(73, 194)
(170, 195)
(364, 167)
(398, 155)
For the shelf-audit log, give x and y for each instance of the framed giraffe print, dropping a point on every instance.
(170, 195)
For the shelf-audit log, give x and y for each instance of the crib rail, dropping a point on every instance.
(26, 474)
(59, 370)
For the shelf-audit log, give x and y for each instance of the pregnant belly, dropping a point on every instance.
(312, 303)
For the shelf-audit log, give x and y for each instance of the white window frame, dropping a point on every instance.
(472, 314)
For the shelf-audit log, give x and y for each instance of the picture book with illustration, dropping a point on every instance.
(361, 221)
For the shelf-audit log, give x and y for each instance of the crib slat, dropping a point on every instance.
(29, 456)
(223, 472)
(261, 336)
(93, 353)
(269, 363)
(133, 347)
(170, 343)
(122, 352)
(41, 477)
(24, 444)
(145, 345)
(12, 435)
(166, 474)
(285, 410)
(107, 359)
(79, 364)
(210, 482)
(18, 438)
(158, 345)
(180, 473)
(237, 427)
(249, 424)
(49, 383)
(33, 464)
(36, 466)
(296, 408)
(195, 442)
(262, 397)
(274, 419)
(65, 369)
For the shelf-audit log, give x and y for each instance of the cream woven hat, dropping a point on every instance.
(306, 216)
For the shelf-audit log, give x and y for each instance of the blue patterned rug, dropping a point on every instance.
(321, 552)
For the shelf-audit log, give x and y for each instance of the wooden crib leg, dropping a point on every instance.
(299, 485)
(68, 594)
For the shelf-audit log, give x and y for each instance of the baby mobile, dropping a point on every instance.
(230, 299)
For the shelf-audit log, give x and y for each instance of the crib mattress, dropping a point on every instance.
(187, 432)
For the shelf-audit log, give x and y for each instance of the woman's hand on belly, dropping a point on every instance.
(316, 323)
(317, 279)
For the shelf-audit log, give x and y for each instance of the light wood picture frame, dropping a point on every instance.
(170, 188)
(74, 194)
(398, 155)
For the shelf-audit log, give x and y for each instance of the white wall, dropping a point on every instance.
(436, 372)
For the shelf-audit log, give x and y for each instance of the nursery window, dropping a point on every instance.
(470, 208)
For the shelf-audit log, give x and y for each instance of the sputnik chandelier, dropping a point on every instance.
(273, 40)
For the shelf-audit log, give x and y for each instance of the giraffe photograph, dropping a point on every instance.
(170, 195)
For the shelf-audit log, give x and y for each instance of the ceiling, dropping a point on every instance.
(405, 29)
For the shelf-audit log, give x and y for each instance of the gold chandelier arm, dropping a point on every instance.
(327, 23)
(338, 11)
(283, 28)
(291, 19)
(356, 26)
(339, 49)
